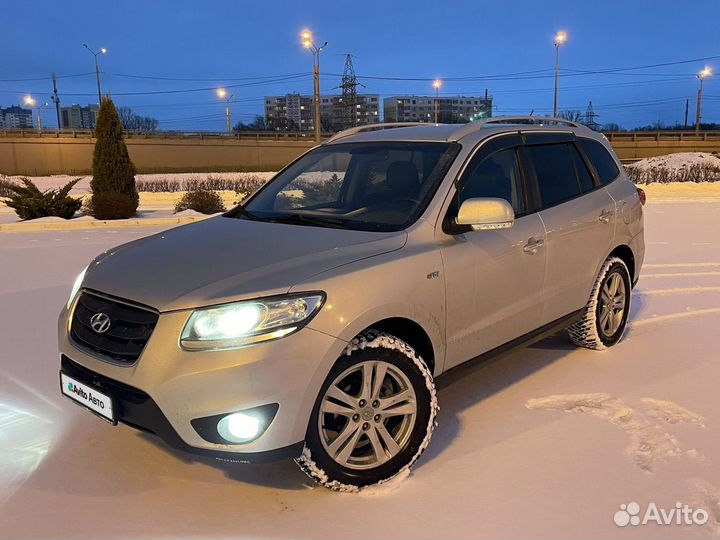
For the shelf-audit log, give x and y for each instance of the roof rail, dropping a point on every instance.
(372, 127)
(534, 119)
(541, 120)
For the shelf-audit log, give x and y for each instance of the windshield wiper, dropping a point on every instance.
(307, 219)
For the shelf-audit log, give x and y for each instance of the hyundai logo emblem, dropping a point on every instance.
(100, 323)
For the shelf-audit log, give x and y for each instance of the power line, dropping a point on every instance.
(47, 78)
(214, 79)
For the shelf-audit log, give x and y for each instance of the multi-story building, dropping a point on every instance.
(291, 112)
(15, 117)
(294, 112)
(451, 110)
(79, 117)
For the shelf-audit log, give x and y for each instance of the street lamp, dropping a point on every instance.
(560, 38)
(31, 102)
(223, 94)
(97, 68)
(707, 72)
(437, 83)
(309, 43)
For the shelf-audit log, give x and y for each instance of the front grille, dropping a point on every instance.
(130, 327)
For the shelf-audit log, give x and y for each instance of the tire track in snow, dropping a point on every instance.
(650, 442)
(674, 316)
(682, 270)
(682, 265)
(680, 274)
(675, 290)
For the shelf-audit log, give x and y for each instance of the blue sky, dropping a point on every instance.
(232, 42)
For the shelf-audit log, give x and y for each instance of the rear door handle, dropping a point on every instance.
(533, 245)
(605, 216)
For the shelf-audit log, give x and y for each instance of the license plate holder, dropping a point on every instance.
(89, 397)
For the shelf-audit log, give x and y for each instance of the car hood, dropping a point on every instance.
(224, 259)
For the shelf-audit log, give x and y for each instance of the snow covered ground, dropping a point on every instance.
(548, 441)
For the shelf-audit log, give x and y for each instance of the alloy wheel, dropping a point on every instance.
(612, 304)
(367, 415)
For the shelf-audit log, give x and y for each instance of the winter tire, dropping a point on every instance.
(373, 417)
(606, 314)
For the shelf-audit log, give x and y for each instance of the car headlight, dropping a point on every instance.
(76, 287)
(243, 323)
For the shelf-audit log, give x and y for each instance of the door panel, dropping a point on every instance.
(579, 220)
(579, 235)
(494, 287)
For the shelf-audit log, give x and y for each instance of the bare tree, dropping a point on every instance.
(134, 123)
(259, 124)
(612, 126)
(572, 116)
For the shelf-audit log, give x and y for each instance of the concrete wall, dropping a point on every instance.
(41, 156)
(629, 150)
(36, 156)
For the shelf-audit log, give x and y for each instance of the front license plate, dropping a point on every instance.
(89, 397)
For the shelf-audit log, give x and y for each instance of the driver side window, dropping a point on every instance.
(496, 175)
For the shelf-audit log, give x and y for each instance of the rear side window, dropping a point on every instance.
(555, 172)
(584, 176)
(497, 175)
(601, 159)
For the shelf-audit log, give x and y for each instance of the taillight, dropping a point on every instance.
(643, 197)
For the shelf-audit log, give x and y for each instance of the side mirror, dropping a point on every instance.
(486, 214)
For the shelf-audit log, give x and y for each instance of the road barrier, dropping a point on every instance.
(31, 152)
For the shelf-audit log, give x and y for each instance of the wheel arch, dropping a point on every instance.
(625, 253)
(411, 333)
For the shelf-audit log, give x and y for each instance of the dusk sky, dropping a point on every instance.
(166, 57)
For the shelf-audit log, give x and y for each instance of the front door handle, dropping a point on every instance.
(605, 216)
(533, 244)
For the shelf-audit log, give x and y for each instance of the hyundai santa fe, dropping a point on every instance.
(311, 321)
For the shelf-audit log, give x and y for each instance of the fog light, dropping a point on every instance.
(236, 427)
(239, 427)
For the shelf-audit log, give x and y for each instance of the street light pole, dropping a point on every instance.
(223, 94)
(437, 83)
(39, 111)
(31, 101)
(97, 68)
(308, 43)
(702, 75)
(560, 38)
(55, 99)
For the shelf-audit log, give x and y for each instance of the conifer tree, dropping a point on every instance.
(113, 171)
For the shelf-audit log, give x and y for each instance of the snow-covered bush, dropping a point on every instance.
(243, 185)
(31, 203)
(679, 167)
(160, 185)
(201, 200)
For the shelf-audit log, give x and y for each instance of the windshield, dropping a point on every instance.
(364, 186)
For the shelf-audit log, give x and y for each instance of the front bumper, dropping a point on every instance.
(167, 387)
(138, 410)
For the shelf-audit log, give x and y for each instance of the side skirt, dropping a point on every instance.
(523, 341)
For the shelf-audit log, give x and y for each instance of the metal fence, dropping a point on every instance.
(202, 135)
(619, 136)
(638, 136)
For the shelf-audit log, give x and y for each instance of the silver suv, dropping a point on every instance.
(311, 321)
